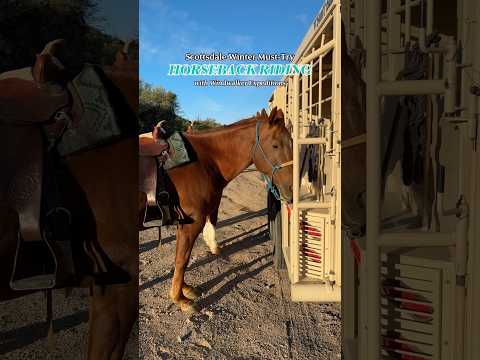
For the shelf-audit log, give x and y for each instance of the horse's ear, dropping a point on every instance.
(276, 116)
(258, 115)
(264, 113)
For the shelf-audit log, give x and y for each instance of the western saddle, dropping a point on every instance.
(35, 109)
(153, 151)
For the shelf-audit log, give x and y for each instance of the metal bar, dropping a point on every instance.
(296, 180)
(372, 25)
(329, 74)
(393, 39)
(336, 239)
(310, 94)
(320, 51)
(450, 75)
(356, 140)
(311, 141)
(312, 34)
(416, 239)
(311, 291)
(402, 8)
(313, 205)
(304, 104)
(408, 20)
(411, 87)
(429, 16)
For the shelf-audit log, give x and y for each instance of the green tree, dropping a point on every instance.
(156, 104)
(205, 124)
(27, 26)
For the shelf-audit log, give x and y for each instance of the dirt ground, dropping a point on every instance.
(23, 333)
(245, 308)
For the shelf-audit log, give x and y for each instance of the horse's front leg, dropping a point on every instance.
(112, 315)
(186, 236)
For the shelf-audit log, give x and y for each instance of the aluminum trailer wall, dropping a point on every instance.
(311, 235)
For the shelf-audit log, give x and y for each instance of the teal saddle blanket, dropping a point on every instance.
(177, 153)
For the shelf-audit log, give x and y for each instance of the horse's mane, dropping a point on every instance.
(238, 124)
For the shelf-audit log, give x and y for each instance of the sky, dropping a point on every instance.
(171, 28)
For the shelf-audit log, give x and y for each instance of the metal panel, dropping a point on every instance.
(452, 116)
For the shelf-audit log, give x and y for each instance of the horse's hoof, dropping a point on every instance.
(191, 293)
(188, 307)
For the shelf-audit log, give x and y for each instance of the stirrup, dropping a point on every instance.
(58, 231)
(48, 262)
(34, 267)
(157, 216)
(153, 216)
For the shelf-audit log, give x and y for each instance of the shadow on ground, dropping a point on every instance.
(228, 247)
(20, 337)
(236, 219)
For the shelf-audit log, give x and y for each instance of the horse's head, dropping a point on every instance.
(273, 154)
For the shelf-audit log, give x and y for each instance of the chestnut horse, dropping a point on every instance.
(220, 156)
(102, 199)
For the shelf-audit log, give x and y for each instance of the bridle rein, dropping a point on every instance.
(275, 167)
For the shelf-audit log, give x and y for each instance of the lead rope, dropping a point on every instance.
(271, 187)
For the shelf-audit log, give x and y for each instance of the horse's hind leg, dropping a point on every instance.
(112, 315)
(185, 239)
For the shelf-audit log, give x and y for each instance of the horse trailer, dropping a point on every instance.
(311, 227)
(413, 283)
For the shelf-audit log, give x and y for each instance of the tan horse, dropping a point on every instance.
(220, 156)
(103, 200)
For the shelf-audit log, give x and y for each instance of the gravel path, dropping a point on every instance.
(245, 310)
(23, 331)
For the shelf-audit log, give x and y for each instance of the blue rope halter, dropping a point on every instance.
(275, 167)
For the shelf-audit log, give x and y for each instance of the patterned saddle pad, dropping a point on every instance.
(178, 153)
(93, 118)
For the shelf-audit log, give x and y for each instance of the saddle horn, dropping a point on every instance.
(50, 48)
(125, 49)
(160, 123)
(158, 131)
(126, 46)
(48, 68)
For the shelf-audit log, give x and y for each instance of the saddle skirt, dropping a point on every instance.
(23, 101)
(168, 154)
(89, 121)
